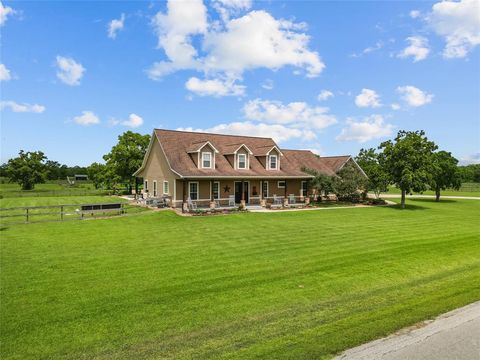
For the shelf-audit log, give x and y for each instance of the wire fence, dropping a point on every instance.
(51, 193)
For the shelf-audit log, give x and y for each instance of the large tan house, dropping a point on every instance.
(214, 169)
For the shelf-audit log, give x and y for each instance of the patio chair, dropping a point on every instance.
(276, 200)
(291, 199)
(231, 200)
(192, 205)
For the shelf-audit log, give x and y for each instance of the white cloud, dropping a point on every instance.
(260, 41)
(418, 48)
(414, 96)
(324, 95)
(215, 87)
(378, 45)
(69, 71)
(414, 14)
(279, 133)
(115, 26)
(458, 22)
(133, 121)
(87, 118)
(227, 8)
(15, 107)
(371, 127)
(470, 159)
(267, 84)
(5, 12)
(295, 114)
(4, 73)
(395, 106)
(367, 98)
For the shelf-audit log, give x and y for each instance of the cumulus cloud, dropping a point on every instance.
(87, 118)
(69, 71)
(134, 121)
(279, 133)
(395, 106)
(115, 26)
(418, 48)
(227, 8)
(371, 127)
(367, 98)
(413, 96)
(458, 23)
(324, 95)
(294, 114)
(377, 46)
(22, 108)
(5, 12)
(4, 73)
(414, 14)
(261, 41)
(214, 87)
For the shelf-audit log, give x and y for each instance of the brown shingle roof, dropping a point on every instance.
(178, 144)
(335, 162)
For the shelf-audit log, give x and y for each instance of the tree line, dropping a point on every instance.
(33, 167)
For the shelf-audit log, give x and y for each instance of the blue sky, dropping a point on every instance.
(328, 76)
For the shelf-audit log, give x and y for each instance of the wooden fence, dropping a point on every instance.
(33, 214)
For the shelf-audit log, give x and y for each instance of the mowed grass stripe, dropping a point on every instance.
(112, 288)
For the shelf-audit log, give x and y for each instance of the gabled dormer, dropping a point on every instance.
(241, 156)
(203, 154)
(273, 158)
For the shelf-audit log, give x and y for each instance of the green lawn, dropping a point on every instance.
(297, 285)
(467, 189)
(58, 200)
(52, 188)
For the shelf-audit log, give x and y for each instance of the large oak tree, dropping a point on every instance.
(408, 161)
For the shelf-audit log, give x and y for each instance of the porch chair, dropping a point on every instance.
(291, 199)
(192, 205)
(231, 200)
(276, 200)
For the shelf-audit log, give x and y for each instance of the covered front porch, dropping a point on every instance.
(245, 193)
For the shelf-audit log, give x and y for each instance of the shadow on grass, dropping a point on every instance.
(432, 201)
(408, 207)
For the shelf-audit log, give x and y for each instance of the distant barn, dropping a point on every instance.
(80, 177)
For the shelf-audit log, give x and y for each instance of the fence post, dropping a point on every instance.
(61, 212)
(26, 213)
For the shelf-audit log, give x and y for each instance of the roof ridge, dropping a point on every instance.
(332, 156)
(209, 133)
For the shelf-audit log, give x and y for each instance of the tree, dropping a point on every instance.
(408, 161)
(348, 182)
(378, 180)
(470, 173)
(127, 156)
(27, 169)
(96, 173)
(323, 184)
(445, 173)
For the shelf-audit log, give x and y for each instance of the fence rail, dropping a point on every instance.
(34, 193)
(65, 212)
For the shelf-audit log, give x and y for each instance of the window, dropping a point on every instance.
(273, 162)
(242, 161)
(145, 186)
(281, 184)
(193, 190)
(207, 160)
(265, 189)
(166, 190)
(303, 189)
(154, 188)
(216, 190)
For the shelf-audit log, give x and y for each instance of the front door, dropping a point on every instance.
(238, 191)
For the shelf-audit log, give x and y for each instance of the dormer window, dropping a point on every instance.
(273, 162)
(242, 161)
(206, 160)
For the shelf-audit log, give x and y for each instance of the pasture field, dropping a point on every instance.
(51, 188)
(58, 200)
(467, 189)
(276, 285)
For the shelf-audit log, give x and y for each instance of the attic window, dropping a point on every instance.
(206, 160)
(273, 162)
(242, 161)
